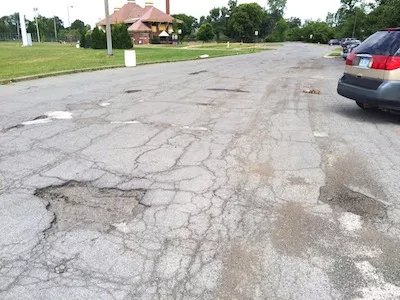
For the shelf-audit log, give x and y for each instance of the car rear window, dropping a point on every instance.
(381, 43)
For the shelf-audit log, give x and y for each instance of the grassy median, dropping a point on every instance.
(17, 61)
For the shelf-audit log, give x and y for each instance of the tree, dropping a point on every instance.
(99, 40)
(79, 25)
(245, 20)
(317, 32)
(188, 26)
(120, 37)
(82, 41)
(277, 8)
(280, 32)
(205, 33)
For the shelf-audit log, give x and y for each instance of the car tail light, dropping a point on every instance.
(379, 62)
(393, 63)
(388, 63)
(350, 58)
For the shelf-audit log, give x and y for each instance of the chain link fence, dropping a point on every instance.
(66, 37)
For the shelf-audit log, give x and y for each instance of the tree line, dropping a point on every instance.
(354, 18)
(245, 23)
(50, 29)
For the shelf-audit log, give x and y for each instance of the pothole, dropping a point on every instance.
(353, 202)
(132, 91)
(198, 72)
(81, 205)
(228, 90)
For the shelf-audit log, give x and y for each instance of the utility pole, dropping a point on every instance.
(18, 33)
(55, 28)
(108, 29)
(35, 9)
(355, 24)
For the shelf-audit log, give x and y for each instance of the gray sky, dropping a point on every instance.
(90, 11)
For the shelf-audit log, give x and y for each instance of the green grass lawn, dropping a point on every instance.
(17, 61)
(337, 52)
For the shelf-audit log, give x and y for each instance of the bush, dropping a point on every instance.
(120, 37)
(155, 40)
(99, 40)
(88, 40)
(82, 41)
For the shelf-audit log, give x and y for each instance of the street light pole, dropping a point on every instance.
(108, 29)
(35, 9)
(69, 20)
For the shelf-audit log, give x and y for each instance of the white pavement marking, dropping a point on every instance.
(38, 121)
(105, 104)
(59, 115)
(125, 122)
(320, 134)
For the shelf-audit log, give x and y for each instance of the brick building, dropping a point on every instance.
(143, 23)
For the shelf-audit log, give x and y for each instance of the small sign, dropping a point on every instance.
(180, 31)
(256, 33)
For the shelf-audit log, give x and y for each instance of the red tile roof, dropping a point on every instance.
(139, 26)
(153, 14)
(131, 12)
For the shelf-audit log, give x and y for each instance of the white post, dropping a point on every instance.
(23, 29)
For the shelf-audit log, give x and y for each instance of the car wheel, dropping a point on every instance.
(366, 106)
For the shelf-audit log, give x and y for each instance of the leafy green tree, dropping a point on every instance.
(280, 32)
(188, 26)
(82, 41)
(99, 40)
(245, 20)
(317, 32)
(277, 8)
(205, 33)
(120, 37)
(79, 25)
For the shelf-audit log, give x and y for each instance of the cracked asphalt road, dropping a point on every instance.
(213, 179)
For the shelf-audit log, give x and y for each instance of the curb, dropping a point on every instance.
(52, 74)
(67, 72)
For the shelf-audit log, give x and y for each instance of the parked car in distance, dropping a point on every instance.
(333, 42)
(349, 46)
(372, 72)
(346, 40)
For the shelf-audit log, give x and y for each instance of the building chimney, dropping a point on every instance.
(117, 8)
(167, 7)
(149, 3)
(132, 1)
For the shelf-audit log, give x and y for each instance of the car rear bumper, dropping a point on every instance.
(387, 95)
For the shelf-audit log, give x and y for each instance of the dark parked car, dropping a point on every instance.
(349, 46)
(372, 74)
(333, 42)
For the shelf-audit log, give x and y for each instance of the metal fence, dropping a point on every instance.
(9, 37)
